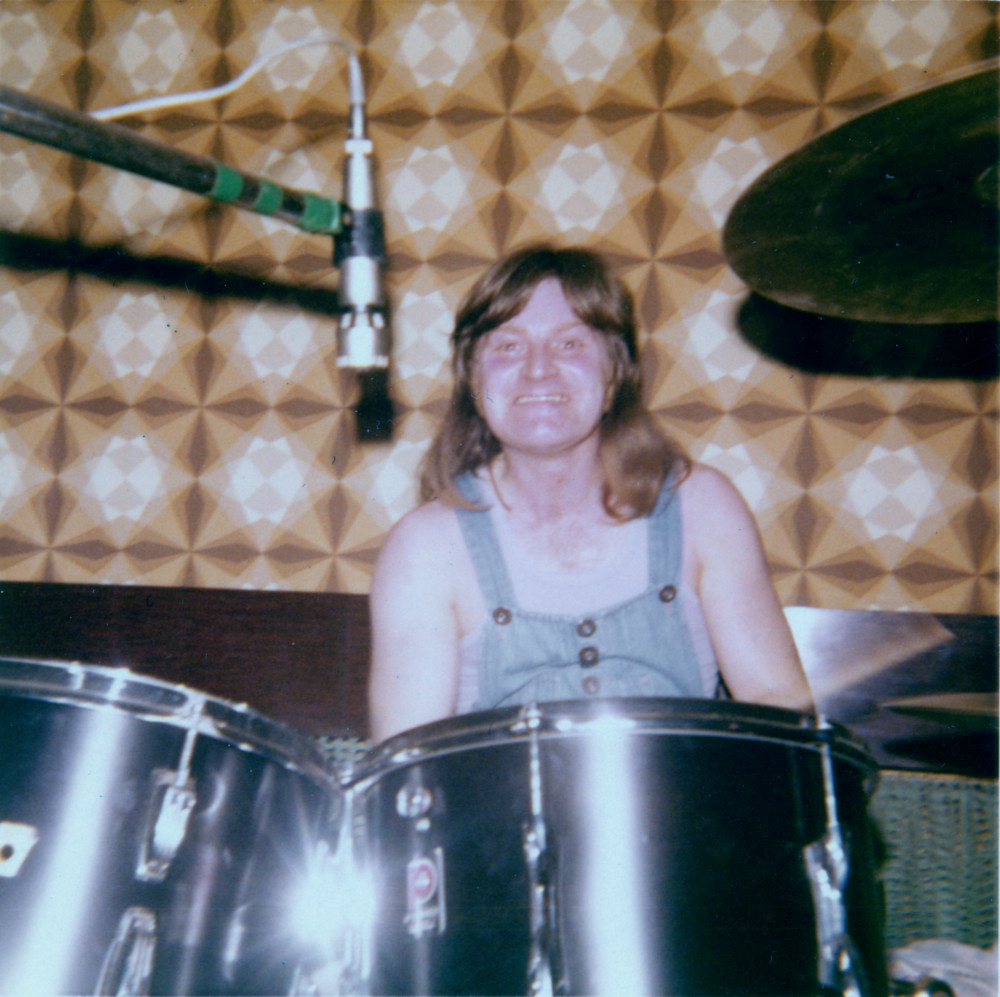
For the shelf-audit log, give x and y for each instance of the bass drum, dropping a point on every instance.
(153, 840)
(684, 847)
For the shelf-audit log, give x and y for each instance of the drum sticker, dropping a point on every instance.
(425, 906)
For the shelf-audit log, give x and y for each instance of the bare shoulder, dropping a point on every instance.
(424, 569)
(718, 527)
(708, 493)
(423, 528)
(423, 542)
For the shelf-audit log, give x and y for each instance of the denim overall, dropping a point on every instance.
(639, 647)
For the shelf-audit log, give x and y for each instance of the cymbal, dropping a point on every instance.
(890, 217)
(967, 710)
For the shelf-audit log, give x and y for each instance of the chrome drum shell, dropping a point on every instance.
(153, 839)
(628, 846)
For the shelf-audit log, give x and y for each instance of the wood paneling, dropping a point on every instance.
(301, 658)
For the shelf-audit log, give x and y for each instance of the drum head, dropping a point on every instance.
(632, 716)
(157, 701)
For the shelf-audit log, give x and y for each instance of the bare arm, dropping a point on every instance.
(752, 641)
(414, 668)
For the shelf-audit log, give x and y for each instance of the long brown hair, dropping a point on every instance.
(635, 455)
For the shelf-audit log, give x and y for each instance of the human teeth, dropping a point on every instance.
(529, 399)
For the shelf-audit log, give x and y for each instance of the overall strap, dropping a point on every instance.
(665, 540)
(484, 548)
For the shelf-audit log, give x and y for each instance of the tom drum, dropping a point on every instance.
(152, 839)
(683, 847)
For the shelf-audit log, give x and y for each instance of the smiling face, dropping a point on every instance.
(542, 378)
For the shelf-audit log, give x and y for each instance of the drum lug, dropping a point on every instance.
(838, 967)
(170, 807)
(539, 968)
(544, 956)
(827, 868)
(128, 964)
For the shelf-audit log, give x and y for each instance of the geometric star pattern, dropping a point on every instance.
(171, 412)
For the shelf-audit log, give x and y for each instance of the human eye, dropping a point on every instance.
(573, 341)
(504, 343)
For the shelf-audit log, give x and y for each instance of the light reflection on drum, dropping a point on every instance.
(684, 847)
(154, 840)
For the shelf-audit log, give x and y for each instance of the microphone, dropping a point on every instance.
(363, 337)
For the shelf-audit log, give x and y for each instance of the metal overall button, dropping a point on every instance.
(586, 628)
(668, 593)
(502, 615)
(589, 656)
(592, 685)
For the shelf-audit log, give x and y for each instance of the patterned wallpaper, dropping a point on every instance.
(171, 409)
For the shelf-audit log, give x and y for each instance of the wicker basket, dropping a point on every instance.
(939, 835)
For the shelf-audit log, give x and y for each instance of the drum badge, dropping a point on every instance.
(425, 906)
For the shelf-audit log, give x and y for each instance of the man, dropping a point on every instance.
(565, 548)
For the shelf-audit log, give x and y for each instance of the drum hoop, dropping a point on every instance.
(160, 702)
(636, 716)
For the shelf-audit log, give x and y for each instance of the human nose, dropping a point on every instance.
(538, 361)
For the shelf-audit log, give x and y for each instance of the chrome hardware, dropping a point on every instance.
(353, 866)
(413, 801)
(334, 908)
(405, 755)
(534, 844)
(16, 841)
(170, 807)
(539, 972)
(529, 719)
(171, 802)
(827, 866)
(303, 984)
(128, 964)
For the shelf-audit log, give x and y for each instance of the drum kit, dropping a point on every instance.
(157, 840)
